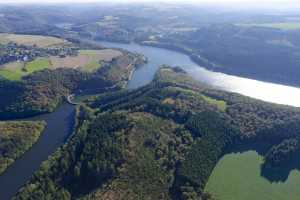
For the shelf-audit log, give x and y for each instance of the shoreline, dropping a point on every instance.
(212, 68)
(59, 129)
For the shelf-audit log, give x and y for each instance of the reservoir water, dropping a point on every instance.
(270, 92)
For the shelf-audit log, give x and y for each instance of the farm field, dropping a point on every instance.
(283, 26)
(86, 60)
(30, 40)
(237, 176)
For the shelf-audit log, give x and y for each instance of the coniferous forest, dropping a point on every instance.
(161, 141)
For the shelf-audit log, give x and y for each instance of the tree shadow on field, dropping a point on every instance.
(272, 174)
(281, 173)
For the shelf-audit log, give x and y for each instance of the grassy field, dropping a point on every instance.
(12, 71)
(237, 177)
(81, 98)
(11, 75)
(40, 41)
(87, 60)
(283, 26)
(37, 65)
(220, 104)
(16, 70)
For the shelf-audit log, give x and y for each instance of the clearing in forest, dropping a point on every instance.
(238, 176)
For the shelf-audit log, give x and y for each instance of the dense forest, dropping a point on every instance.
(249, 51)
(161, 141)
(16, 138)
(281, 154)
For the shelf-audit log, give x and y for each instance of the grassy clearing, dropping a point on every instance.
(37, 65)
(30, 40)
(237, 176)
(11, 75)
(283, 26)
(16, 70)
(219, 103)
(81, 98)
(12, 71)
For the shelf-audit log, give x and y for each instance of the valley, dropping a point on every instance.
(214, 100)
(150, 129)
(146, 101)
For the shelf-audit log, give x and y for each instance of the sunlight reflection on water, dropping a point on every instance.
(265, 91)
(270, 92)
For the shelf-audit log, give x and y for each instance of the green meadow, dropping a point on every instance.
(219, 103)
(11, 75)
(37, 65)
(237, 177)
(16, 70)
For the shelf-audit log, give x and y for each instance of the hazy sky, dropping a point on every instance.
(254, 3)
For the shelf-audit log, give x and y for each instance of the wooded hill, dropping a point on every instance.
(44, 90)
(160, 141)
(16, 138)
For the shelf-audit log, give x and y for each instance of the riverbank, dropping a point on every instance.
(17, 137)
(59, 127)
(265, 91)
(205, 63)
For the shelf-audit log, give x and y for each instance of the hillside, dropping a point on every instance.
(37, 73)
(261, 53)
(22, 55)
(161, 141)
(44, 90)
(16, 138)
(256, 45)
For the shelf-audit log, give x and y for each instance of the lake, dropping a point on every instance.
(270, 92)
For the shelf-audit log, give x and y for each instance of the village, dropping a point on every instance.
(12, 52)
